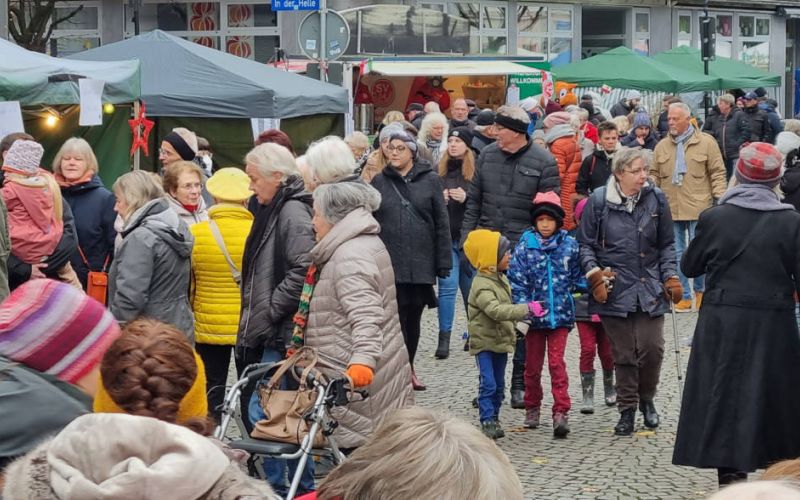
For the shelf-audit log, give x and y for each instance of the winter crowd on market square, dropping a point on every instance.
(125, 308)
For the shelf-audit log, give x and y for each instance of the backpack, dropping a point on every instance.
(598, 197)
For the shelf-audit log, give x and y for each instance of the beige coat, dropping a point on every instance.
(353, 320)
(704, 180)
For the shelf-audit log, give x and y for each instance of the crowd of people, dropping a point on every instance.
(131, 302)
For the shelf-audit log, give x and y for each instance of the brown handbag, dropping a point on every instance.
(96, 281)
(284, 409)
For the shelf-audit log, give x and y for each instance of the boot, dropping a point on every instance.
(499, 432)
(610, 393)
(443, 349)
(625, 425)
(560, 425)
(587, 384)
(518, 387)
(726, 476)
(531, 418)
(648, 409)
(416, 384)
(489, 429)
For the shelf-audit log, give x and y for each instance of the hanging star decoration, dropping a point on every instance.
(141, 127)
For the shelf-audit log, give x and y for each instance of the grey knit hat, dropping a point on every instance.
(24, 157)
(389, 130)
(406, 138)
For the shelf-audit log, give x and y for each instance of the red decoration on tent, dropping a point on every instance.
(141, 127)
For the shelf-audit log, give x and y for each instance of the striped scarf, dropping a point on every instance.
(300, 318)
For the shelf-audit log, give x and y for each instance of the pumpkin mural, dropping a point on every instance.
(239, 46)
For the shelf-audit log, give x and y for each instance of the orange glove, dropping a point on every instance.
(361, 374)
(673, 289)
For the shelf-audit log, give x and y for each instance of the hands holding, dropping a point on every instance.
(536, 309)
(601, 282)
(457, 194)
(673, 289)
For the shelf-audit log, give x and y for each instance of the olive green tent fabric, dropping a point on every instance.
(623, 68)
(733, 74)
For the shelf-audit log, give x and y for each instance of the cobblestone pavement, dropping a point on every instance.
(591, 462)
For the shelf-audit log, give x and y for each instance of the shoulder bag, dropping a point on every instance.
(237, 275)
(96, 281)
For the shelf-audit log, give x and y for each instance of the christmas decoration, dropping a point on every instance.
(141, 127)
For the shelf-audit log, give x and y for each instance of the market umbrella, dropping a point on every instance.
(623, 68)
(732, 74)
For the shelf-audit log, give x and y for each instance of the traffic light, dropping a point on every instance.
(708, 38)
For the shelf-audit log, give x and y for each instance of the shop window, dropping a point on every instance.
(251, 15)
(494, 45)
(79, 32)
(641, 31)
(684, 29)
(545, 32)
(724, 26)
(754, 41)
(560, 19)
(531, 18)
(493, 18)
(532, 46)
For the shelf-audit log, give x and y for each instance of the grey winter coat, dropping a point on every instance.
(151, 270)
(353, 320)
(501, 194)
(638, 246)
(274, 266)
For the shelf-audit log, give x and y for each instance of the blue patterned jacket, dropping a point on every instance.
(548, 272)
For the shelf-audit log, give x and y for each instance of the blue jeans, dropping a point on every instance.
(681, 229)
(276, 469)
(460, 277)
(492, 372)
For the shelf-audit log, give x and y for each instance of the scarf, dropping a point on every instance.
(680, 156)
(190, 208)
(300, 318)
(63, 182)
(754, 197)
(628, 202)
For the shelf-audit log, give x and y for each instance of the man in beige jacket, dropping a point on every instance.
(688, 167)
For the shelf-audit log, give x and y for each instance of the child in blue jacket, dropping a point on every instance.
(545, 268)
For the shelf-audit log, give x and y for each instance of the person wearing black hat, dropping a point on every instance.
(473, 109)
(483, 133)
(509, 174)
(414, 227)
(413, 111)
(760, 129)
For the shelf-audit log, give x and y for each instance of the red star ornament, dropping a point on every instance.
(141, 127)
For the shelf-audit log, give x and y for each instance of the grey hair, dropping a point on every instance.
(514, 112)
(270, 157)
(683, 106)
(427, 124)
(334, 201)
(625, 156)
(792, 125)
(357, 139)
(330, 159)
(727, 98)
(581, 113)
(137, 188)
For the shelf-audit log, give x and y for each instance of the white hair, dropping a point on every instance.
(330, 159)
(357, 139)
(432, 107)
(428, 122)
(514, 112)
(759, 490)
(270, 157)
(334, 201)
(682, 106)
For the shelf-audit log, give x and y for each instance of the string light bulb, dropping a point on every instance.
(51, 120)
(108, 108)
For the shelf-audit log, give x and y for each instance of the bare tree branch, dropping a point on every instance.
(31, 22)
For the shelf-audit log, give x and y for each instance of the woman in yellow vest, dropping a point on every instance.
(216, 264)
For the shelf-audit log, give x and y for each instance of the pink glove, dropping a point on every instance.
(536, 309)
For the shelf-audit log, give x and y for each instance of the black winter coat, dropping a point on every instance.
(730, 131)
(775, 124)
(594, 173)
(740, 403)
(620, 109)
(479, 141)
(454, 178)
(790, 185)
(758, 121)
(629, 141)
(662, 128)
(93, 209)
(639, 246)
(501, 194)
(417, 235)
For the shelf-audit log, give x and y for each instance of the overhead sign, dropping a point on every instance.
(295, 4)
(337, 33)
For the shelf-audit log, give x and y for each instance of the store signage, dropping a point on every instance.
(295, 4)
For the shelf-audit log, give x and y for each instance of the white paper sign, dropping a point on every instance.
(10, 118)
(512, 96)
(91, 102)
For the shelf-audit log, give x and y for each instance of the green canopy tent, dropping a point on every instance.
(44, 84)
(623, 68)
(732, 74)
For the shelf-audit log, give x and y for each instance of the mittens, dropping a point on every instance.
(601, 282)
(535, 309)
(361, 374)
(673, 289)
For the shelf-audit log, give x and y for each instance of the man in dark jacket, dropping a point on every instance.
(483, 133)
(596, 168)
(760, 130)
(509, 173)
(459, 115)
(626, 105)
(662, 127)
(730, 128)
(769, 106)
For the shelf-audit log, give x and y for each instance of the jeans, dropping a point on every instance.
(275, 469)
(683, 227)
(553, 343)
(491, 375)
(460, 277)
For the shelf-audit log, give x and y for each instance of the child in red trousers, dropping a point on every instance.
(545, 268)
(593, 340)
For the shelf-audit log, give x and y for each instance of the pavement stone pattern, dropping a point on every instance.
(591, 463)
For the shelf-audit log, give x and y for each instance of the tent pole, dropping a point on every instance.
(137, 155)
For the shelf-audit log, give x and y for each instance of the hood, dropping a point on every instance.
(92, 184)
(420, 167)
(790, 182)
(557, 132)
(157, 216)
(613, 196)
(766, 107)
(785, 142)
(480, 247)
(38, 200)
(356, 223)
(294, 189)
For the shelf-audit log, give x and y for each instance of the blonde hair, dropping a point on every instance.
(785, 469)
(137, 188)
(174, 170)
(428, 122)
(79, 146)
(393, 116)
(270, 157)
(759, 490)
(467, 167)
(791, 125)
(623, 125)
(447, 458)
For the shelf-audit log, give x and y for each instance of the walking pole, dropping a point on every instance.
(678, 364)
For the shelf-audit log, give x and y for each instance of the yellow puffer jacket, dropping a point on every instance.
(216, 299)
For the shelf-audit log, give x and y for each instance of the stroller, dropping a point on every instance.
(329, 393)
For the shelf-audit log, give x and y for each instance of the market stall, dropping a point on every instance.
(732, 74)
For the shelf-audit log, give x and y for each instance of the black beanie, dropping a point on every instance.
(183, 149)
(553, 211)
(503, 246)
(463, 133)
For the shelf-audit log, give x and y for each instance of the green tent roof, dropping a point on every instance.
(33, 78)
(733, 74)
(623, 68)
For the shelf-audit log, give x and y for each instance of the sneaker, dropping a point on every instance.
(698, 299)
(685, 305)
(531, 418)
(489, 429)
(560, 425)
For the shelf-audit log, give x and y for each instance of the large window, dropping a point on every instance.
(754, 40)
(79, 32)
(641, 31)
(545, 31)
(240, 27)
(684, 28)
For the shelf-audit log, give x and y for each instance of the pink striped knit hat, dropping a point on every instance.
(56, 329)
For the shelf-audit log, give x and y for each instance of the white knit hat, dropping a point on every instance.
(24, 157)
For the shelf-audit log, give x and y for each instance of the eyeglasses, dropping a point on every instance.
(399, 149)
(637, 171)
(162, 151)
(191, 185)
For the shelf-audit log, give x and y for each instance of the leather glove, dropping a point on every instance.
(443, 273)
(601, 282)
(536, 309)
(673, 289)
(361, 374)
